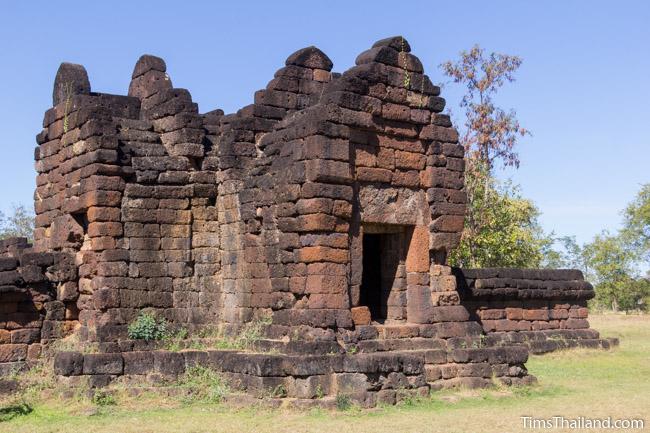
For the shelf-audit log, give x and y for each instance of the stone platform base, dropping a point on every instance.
(366, 378)
(374, 364)
(546, 341)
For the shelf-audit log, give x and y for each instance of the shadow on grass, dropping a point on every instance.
(8, 413)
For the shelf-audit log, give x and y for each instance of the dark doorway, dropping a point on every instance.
(372, 294)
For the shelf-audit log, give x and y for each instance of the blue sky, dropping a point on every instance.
(583, 89)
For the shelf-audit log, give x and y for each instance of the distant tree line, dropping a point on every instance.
(19, 223)
(614, 262)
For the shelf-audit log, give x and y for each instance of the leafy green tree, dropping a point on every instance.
(19, 224)
(568, 256)
(501, 227)
(636, 223)
(611, 261)
(609, 264)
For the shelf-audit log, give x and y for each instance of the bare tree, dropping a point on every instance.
(490, 133)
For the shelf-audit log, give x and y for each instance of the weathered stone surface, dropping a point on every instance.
(310, 57)
(70, 80)
(138, 362)
(103, 363)
(360, 316)
(169, 363)
(147, 63)
(68, 363)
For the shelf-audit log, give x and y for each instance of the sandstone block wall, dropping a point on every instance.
(530, 306)
(34, 290)
(215, 219)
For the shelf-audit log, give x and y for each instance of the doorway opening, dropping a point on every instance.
(383, 277)
(371, 278)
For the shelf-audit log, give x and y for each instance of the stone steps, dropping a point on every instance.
(299, 347)
(404, 331)
(550, 345)
(400, 344)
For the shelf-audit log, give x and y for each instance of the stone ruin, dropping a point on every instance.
(325, 210)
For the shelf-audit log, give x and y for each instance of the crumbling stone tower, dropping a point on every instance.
(214, 219)
(328, 206)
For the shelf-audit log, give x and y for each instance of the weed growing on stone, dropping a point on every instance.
(279, 391)
(175, 340)
(352, 350)
(343, 402)
(71, 343)
(103, 398)
(147, 327)
(203, 385)
(252, 332)
(67, 90)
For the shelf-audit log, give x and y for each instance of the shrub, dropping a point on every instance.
(103, 398)
(343, 402)
(147, 327)
(9, 412)
(279, 391)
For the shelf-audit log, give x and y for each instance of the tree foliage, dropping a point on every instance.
(636, 223)
(501, 227)
(610, 265)
(611, 261)
(568, 256)
(491, 133)
(20, 223)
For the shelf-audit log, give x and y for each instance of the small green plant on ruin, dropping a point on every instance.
(481, 342)
(407, 75)
(352, 349)
(279, 391)
(197, 345)
(498, 384)
(246, 338)
(203, 385)
(252, 332)
(343, 402)
(13, 373)
(407, 397)
(67, 90)
(147, 327)
(175, 340)
(103, 398)
(209, 332)
(295, 335)
(320, 393)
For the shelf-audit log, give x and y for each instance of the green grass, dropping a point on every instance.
(580, 382)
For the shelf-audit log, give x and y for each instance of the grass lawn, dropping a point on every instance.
(580, 382)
